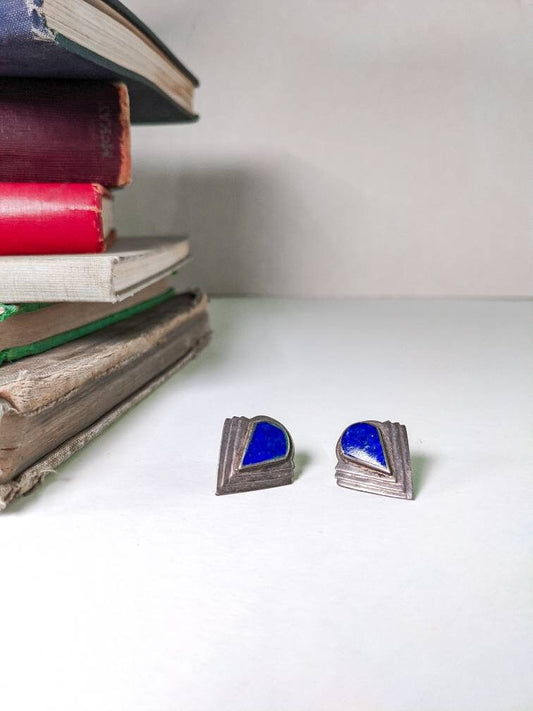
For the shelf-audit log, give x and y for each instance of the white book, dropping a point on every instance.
(130, 265)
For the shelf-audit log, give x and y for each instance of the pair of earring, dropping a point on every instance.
(258, 453)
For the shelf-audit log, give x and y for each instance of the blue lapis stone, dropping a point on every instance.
(268, 442)
(361, 441)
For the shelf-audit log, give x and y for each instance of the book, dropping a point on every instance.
(96, 39)
(64, 131)
(129, 266)
(54, 218)
(34, 475)
(28, 329)
(57, 401)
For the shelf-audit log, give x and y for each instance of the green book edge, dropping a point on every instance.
(11, 354)
(8, 310)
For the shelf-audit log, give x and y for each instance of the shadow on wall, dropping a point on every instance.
(240, 220)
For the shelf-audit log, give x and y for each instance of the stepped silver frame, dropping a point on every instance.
(397, 481)
(233, 478)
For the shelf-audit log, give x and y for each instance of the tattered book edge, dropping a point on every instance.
(35, 474)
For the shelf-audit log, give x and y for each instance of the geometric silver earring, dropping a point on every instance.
(374, 456)
(255, 453)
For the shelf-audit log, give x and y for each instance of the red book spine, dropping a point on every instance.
(53, 218)
(64, 131)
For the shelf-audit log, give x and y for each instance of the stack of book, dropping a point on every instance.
(89, 322)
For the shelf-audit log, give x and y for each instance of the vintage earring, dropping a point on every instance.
(374, 457)
(255, 454)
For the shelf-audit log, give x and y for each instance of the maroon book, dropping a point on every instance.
(64, 131)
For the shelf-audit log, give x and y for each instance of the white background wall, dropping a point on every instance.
(346, 147)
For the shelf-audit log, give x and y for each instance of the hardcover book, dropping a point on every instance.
(64, 131)
(129, 266)
(57, 401)
(96, 39)
(28, 329)
(54, 218)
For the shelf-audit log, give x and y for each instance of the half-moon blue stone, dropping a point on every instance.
(361, 441)
(268, 442)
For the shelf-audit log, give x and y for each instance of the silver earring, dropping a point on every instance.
(374, 457)
(255, 453)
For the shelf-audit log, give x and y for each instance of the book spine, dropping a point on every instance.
(16, 352)
(64, 131)
(51, 218)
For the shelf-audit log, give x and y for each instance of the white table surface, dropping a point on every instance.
(126, 584)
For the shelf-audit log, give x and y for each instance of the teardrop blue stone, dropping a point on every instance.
(361, 441)
(268, 442)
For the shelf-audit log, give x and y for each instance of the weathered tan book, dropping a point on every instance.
(52, 404)
(130, 265)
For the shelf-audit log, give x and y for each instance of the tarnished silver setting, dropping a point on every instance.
(397, 482)
(232, 477)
